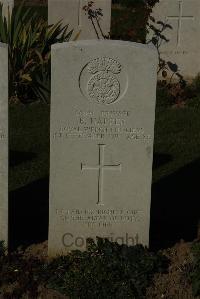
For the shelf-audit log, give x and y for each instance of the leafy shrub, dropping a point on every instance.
(106, 270)
(130, 22)
(130, 3)
(19, 276)
(191, 93)
(29, 40)
(196, 84)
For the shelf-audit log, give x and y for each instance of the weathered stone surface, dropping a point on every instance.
(182, 45)
(3, 143)
(72, 13)
(102, 129)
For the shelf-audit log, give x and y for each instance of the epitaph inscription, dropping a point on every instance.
(99, 217)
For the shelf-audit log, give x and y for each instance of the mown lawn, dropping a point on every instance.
(177, 139)
(29, 144)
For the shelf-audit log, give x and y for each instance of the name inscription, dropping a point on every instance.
(97, 126)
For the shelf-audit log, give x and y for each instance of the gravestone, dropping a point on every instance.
(3, 143)
(7, 4)
(182, 47)
(71, 12)
(102, 128)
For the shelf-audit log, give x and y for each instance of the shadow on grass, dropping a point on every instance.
(17, 157)
(175, 207)
(28, 214)
(161, 159)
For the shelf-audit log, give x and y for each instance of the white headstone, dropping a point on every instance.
(7, 5)
(72, 13)
(184, 43)
(3, 143)
(102, 129)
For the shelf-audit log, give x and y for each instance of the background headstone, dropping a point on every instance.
(7, 4)
(183, 46)
(72, 13)
(102, 129)
(3, 143)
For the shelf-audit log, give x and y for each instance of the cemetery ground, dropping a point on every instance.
(28, 273)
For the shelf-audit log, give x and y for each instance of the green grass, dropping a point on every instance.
(177, 134)
(29, 144)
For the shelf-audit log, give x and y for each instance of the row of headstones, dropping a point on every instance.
(181, 42)
(72, 12)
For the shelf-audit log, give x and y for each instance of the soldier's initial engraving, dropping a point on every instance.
(100, 168)
(180, 18)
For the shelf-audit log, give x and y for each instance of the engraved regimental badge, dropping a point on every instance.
(100, 80)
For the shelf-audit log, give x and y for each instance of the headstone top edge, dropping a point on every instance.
(3, 45)
(81, 43)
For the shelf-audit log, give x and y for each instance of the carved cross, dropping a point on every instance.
(180, 18)
(101, 167)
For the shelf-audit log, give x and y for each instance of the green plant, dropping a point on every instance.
(105, 270)
(20, 275)
(29, 40)
(94, 15)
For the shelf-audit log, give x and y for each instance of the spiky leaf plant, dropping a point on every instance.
(29, 40)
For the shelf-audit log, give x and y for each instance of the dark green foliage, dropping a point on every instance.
(131, 3)
(171, 93)
(196, 83)
(192, 93)
(195, 275)
(130, 21)
(106, 270)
